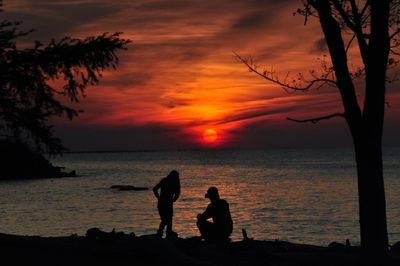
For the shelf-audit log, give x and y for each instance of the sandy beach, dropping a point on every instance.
(122, 249)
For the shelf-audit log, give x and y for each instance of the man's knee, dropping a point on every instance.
(200, 223)
(200, 219)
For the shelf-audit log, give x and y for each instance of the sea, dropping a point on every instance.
(300, 195)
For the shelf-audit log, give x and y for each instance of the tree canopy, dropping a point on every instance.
(36, 83)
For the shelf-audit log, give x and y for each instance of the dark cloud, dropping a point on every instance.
(58, 20)
(250, 21)
(175, 5)
(125, 80)
(173, 103)
(259, 112)
(187, 49)
(332, 133)
(144, 137)
(288, 106)
(264, 134)
(319, 46)
(256, 135)
(260, 134)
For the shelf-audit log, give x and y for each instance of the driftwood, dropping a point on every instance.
(128, 187)
(96, 233)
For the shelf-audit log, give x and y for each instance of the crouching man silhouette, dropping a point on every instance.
(221, 227)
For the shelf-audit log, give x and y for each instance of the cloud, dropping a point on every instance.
(265, 134)
(144, 137)
(57, 19)
(320, 46)
(250, 21)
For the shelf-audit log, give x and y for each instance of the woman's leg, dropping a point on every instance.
(168, 214)
(169, 226)
(160, 230)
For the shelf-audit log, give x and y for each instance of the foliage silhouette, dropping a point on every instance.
(374, 24)
(36, 83)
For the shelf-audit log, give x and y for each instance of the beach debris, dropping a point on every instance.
(245, 237)
(172, 235)
(128, 187)
(96, 233)
(74, 235)
(396, 247)
(69, 174)
(336, 245)
(339, 246)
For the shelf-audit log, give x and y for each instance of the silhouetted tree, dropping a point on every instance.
(37, 83)
(374, 24)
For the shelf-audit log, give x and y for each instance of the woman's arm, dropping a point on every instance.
(177, 194)
(155, 190)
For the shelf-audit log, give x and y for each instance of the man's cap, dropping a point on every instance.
(212, 191)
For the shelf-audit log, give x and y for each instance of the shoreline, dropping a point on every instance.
(118, 248)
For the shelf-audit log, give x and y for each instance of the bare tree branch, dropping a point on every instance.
(316, 119)
(349, 43)
(394, 52)
(253, 68)
(394, 34)
(358, 26)
(354, 22)
(365, 8)
(307, 11)
(343, 15)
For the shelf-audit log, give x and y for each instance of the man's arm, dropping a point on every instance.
(206, 214)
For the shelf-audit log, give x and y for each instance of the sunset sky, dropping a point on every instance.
(179, 76)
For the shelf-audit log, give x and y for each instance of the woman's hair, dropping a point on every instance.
(174, 180)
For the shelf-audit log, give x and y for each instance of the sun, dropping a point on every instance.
(210, 135)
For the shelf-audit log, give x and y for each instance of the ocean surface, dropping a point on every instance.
(304, 196)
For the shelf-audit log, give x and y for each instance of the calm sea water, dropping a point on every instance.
(306, 196)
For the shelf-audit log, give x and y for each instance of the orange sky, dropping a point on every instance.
(179, 76)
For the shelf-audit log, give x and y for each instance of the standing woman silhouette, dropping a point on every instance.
(170, 189)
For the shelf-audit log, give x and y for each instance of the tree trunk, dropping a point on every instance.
(366, 127)
(372, 204)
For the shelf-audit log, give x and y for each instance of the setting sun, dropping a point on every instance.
(210, 135)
